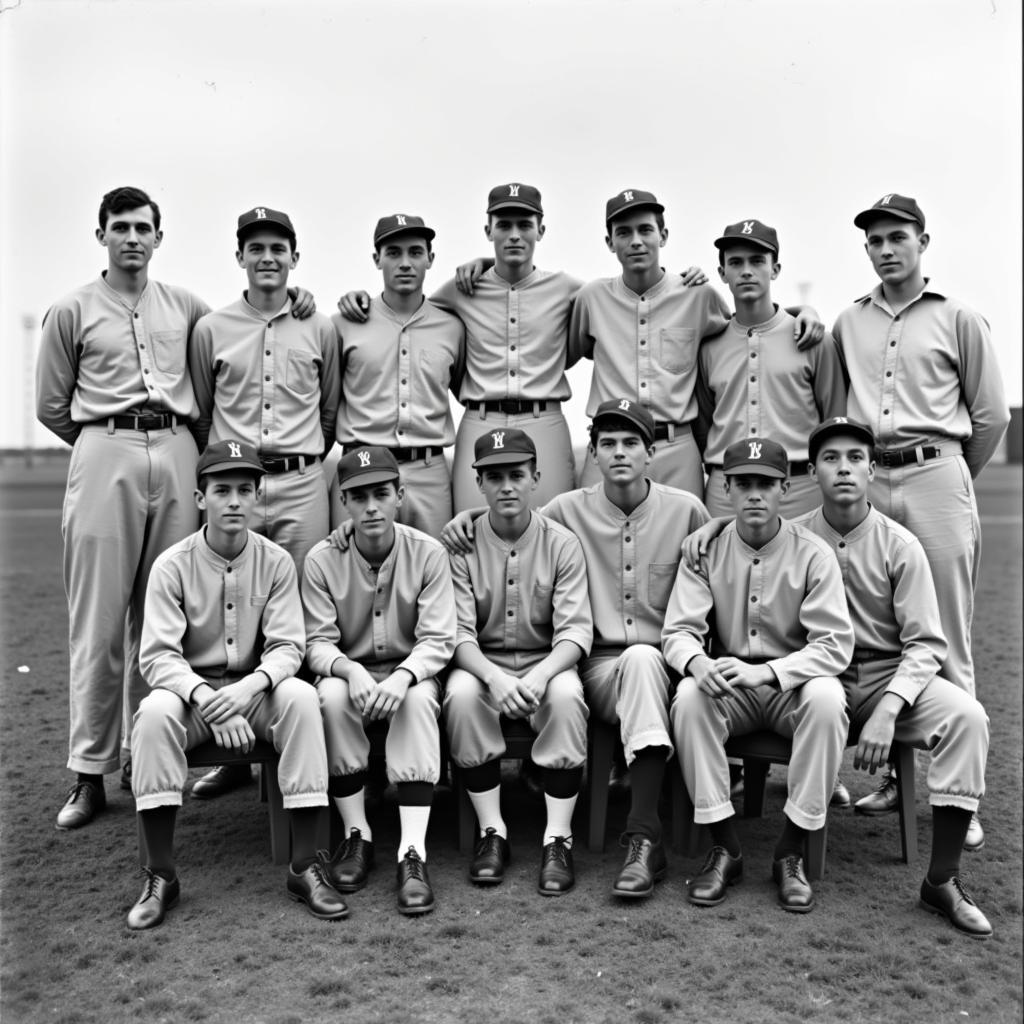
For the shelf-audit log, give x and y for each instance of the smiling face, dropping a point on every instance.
(228, 499)
(844, 468)
(130, 238)
(267, 257)
(637, 240)
(373, 509)
(895, 247)
(515, 234)
(404, 261)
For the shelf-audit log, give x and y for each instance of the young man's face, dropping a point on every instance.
(755, 498)
(636, 240)
(622, 456)
(267, 257)
(373, 508)
(894, 247)
(748, 271)
(515, 234)
(130, 238)
(228, 500)
(404, 261)
(844, 468)
(508, 488)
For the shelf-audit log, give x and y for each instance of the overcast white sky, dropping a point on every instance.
(798, 112)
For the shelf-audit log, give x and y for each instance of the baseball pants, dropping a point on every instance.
(802, 496)
(676, 463)
(129, 497)
(292, 510)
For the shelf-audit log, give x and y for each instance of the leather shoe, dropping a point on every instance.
(882, 801)
(158, 896)
(221, 780)
(490, 855)
(975, 838)
(414, 893)
(312, 888)
(840, 795)
(557, 874)
(644, 865)
(349, 867)
(126, 776)
(84, 801)
(794, 890)
(720, 870)
(952, 901)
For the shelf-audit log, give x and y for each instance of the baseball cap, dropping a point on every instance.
(264, 216)
(227, 457)
(892, 205)
(749, 232)
(756, 456)
(628, 200)
(627, 409)
(514, 196)
(400, 224)
(502, 447)
(838, 425)
(362, 467)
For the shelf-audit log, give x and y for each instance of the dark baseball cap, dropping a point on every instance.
(630, 199)
(514, 196)
(838, 425)
(400, 224)
(756, 456)
(632, 412)
(892, 205)
(229, 457)
(261, 217)
(503, 447)
(362, 467)
(749, 232)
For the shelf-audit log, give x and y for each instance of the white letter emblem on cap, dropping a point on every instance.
(261, 214)
(499, 439)
(755, 449)
(627, 196)
(401, 219)
(885, 200)
(624, 405)
(235, 450)
(513, 191)
(840, 419)
(364, 459)
(748, 227)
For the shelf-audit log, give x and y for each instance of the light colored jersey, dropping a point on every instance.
(525, 596)
(924, 375)
(272, 381)
(395, 376)
(516, 335)
(102, 357)
(402, 613)
(207, 617)
(782, 604)
(631, 560)
(644, 347)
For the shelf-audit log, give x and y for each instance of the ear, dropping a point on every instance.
(200, 499)
(238, 256)
(608, 242)
(776, 270)
(430, 258)
(871, 470)
(295, 259)
(784, 488)
(400, 492)
(376, 259)
(158, 237)
(650, 454)
(480, 482)
(487, 230)
(664, 237)
(101, 236)
(721, 273)
(811, 471)
(922, 241)
(536, 479)
(540, 231)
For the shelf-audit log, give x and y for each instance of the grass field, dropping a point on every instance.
(237, 950)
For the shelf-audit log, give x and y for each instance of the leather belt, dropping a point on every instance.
(663, 431)
(862, 654)
(403, 454)
(905, 456)
(140, 421)
(795, 468)
(286, 463)
(510, 406)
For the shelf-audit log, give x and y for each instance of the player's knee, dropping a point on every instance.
(641, 660)
(970, 719)
(301, 698)
(565, 694)
(332, 695)
(825, 700)
(687, 702)
(461, 691)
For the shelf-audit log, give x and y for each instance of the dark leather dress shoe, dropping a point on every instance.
(795, 892)
(953, 902)
(490, 855)
(644, 865)
(414, 893)
(720, 870)
(350, 866)
(557, 874)
(312, 888)
(84, 801)
(220, 780)
(158, 896)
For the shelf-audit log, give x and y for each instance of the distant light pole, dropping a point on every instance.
(28, 404)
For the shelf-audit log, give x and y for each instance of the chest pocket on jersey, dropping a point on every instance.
(677, 348)
(300, 373)
(541, 605)
(168, 349)
(660, 580)
(259, 600)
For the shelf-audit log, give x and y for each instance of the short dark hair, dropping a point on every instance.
(659, 216)
(609, 423)
(127, 197)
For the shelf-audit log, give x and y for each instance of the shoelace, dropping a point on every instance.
(791, 866)
(412, 864)
(712, 856)
(77, 790)
(350, 844)
(490, 834)
(635, 845)
(964, 894)
(557, 850)
(152, 879)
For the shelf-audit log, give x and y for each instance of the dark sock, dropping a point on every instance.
(304, 821)
(723, 833)
(562, 783)
(645, 775)
(949, 830)
(158, 831)
(791, 842)
(346, 785)
(96, 780)
(415, 794)
(481, 777)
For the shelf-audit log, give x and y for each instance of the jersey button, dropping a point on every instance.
(888, 373)
(267, 377)
(377, 614)
(643, 384)
(266, 405)
(753, 355)
(753, 632)
(629, 568)
(230, 641)
(753, 600)
(512, 320)
(642, 322)
(230, 606)
(842, 544)
(510, 613)
(267, 353)
(629, 622)
(757, 561)
(511, 348)
(404, 381)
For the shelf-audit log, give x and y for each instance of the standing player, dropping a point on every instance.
(524, 623)
(222, 641)
(380, 626)
(781, 636)
(925, 378)
(396, 371)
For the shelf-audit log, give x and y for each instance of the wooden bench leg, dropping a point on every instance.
(906, 800)
(280, 827)
(600, 751)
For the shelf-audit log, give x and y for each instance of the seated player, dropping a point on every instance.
(524, 623)
(781, 637)
(222, 639)
(380, 626)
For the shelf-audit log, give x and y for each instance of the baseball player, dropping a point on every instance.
(631, 530)
(396, 371)
(524, 622)
(261, 375)
(781, 637)
(380, 626)
(221, 642)
(924, 376)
